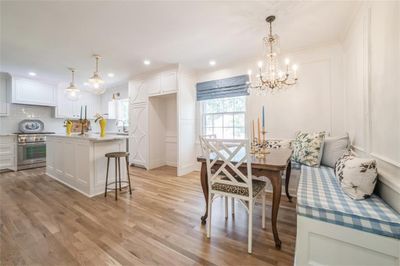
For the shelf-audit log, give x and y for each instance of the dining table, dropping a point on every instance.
(271, 166)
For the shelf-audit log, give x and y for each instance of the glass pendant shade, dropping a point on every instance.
(72, 92)
(99, 90)
(96, 81)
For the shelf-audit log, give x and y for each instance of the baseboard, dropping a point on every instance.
(183, 170)
(174, 164)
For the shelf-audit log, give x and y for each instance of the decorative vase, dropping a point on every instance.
(68, 127)
(102, 123)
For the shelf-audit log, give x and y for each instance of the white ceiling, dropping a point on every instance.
(48, 37)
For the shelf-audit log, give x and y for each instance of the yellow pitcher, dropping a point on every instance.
(68, 126)
(103, 124)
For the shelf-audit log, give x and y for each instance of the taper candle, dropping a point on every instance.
(85, 112)
(259, 130)
(80, 116)
(254, 132)
(263, 117)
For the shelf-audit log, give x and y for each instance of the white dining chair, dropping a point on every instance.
(213, 136)
(229, 175)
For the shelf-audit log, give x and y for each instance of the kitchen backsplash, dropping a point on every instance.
(18, 112)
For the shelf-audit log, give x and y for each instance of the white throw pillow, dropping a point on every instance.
(358, 176)
(334, 147)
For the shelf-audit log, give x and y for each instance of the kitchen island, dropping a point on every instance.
(79, 161)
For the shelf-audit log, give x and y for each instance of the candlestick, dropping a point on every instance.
(263, 117)
(259, 130)
(80, 116)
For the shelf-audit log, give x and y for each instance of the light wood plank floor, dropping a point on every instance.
(46, 223)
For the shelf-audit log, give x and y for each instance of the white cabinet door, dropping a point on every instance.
(3, 95)
(72, 109)
(82, 164)
(64, 106)
(8, 153)
(138, 134)
(69, 163)
(93, 104)
(137, 91)
(169, 82)
(27, 91)
(153, 85)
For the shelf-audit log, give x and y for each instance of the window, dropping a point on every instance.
(225, 117)
(119, 110)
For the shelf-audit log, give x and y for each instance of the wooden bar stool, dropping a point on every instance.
(117, 156)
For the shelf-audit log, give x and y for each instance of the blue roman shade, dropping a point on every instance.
(222, 88)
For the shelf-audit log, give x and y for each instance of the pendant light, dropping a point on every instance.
(72, 92)
(96, 81)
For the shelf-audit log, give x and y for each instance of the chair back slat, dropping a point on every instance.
(226, 161)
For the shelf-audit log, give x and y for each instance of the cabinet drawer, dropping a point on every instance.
(6, 161)
(7, 149)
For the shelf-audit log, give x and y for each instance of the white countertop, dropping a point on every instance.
(91, 137)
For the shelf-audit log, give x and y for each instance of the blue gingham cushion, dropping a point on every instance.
(319, 196)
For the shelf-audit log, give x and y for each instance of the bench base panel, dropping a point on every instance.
(321, 243)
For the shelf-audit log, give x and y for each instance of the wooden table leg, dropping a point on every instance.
(288, 171)
(276, 199)
(204, 186)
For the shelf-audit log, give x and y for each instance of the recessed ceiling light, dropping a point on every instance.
(212, 62)
(86, 84)
(33, 74)
(146, 62)
(111, 75)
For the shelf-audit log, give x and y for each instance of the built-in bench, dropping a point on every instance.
(333, 229)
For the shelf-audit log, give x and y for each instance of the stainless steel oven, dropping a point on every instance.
(31, 150)
(31, 144)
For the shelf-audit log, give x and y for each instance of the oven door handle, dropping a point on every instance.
(31, 143)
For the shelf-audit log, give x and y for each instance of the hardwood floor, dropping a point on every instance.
(46, 223)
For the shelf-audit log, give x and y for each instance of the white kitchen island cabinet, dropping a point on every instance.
(80, 163)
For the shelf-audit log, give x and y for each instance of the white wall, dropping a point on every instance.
(372, 77)
(314, 104)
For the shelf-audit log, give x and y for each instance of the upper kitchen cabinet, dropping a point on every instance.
(137, 91)
(161, 83)
(5, 81)
(32, 92)
(153, 85)
(169, 82)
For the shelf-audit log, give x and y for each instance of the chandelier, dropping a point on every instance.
(72, 92)
(96, 80)
(270, 77)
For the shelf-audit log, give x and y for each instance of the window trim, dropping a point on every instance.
(203, 115)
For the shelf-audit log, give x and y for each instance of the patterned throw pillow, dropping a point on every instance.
(307, 148)
(357, 176)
